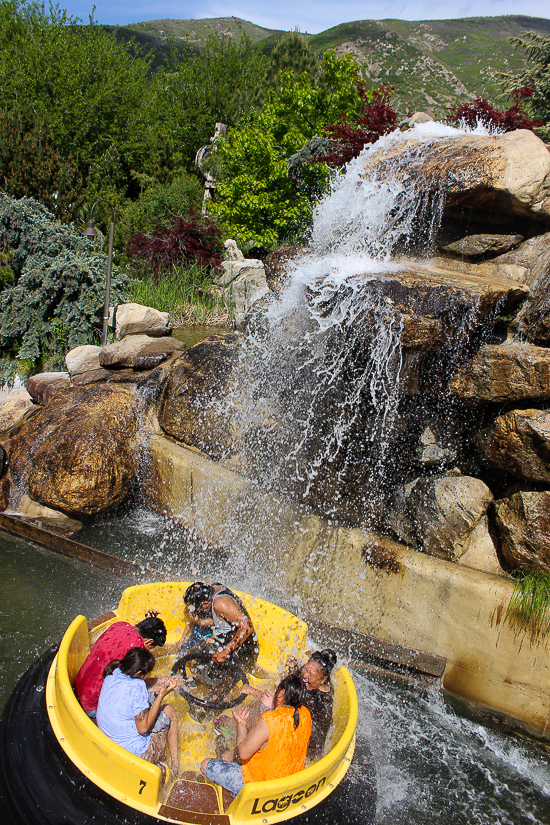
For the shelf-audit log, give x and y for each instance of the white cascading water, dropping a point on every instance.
(315, 411)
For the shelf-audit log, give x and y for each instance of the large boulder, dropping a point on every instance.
(507, 173)
(533, 320)
(518, 442)
(523, 522)
(135, 319)
(244, 282)
(433, 298)
(475, 246)
(445, 510)
(83, 359)
(192, 408)
(533, 256)
(79, 454)
(84, 366)
(504, 372)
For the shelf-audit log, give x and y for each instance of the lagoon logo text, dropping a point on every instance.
(284, 802)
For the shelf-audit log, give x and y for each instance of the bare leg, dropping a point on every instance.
(173, 738)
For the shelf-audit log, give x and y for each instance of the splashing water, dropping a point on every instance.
(323, 365)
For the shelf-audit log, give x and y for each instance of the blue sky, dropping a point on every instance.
(309, 15)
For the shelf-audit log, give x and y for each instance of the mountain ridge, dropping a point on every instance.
(432, 65)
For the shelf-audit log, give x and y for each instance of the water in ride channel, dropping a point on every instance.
(428, 758)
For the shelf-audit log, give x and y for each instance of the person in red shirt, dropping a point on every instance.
(113, 644)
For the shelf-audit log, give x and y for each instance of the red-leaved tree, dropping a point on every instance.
(377, 118)
(507, 120)
(183, 240)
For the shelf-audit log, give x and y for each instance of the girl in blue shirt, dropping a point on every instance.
(124, 713)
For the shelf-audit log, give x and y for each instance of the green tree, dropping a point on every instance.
(159, 203)
(291, 53)
(87, 95)
(535, 77)
(218, 85)
(258, 203)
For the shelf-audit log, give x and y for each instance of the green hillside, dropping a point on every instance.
(194, 33)
(432, 64)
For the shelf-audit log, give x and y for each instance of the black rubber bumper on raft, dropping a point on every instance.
(40, 786)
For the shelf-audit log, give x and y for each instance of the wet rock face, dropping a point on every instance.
(533, 257)
(192, 407)
(506, 372)
(523, 521)
(80, 453)
(518, 443)
(444, 511)
(4, 493)
(433, 299)
(278, 263)
(507, 174)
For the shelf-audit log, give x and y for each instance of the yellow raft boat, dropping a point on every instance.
(190, 798)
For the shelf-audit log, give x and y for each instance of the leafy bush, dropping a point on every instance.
(31, 165)
(55, 301)
(183, 240)
(258, 203)
(160, 202)
(535, 76)
(507, 120)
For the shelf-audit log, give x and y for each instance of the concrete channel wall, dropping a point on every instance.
(365, 583)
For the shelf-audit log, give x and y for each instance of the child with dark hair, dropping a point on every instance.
(125, 715)
(275, 747)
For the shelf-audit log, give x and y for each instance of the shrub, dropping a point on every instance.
(160, 202)
(183, 240)
(507, 120)
(535, 76)
(257, 202)
(55, 300)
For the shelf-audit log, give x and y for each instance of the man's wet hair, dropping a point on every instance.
(152, 628)
(198, 593)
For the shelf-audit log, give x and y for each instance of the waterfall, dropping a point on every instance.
(322, 367)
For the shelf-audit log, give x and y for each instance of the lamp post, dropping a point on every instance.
(91, 232)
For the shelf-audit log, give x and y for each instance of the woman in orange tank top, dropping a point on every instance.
(275, 747)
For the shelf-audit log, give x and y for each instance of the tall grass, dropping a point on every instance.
(529, 606)
(187, 293)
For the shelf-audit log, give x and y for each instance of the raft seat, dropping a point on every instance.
(194, 800)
